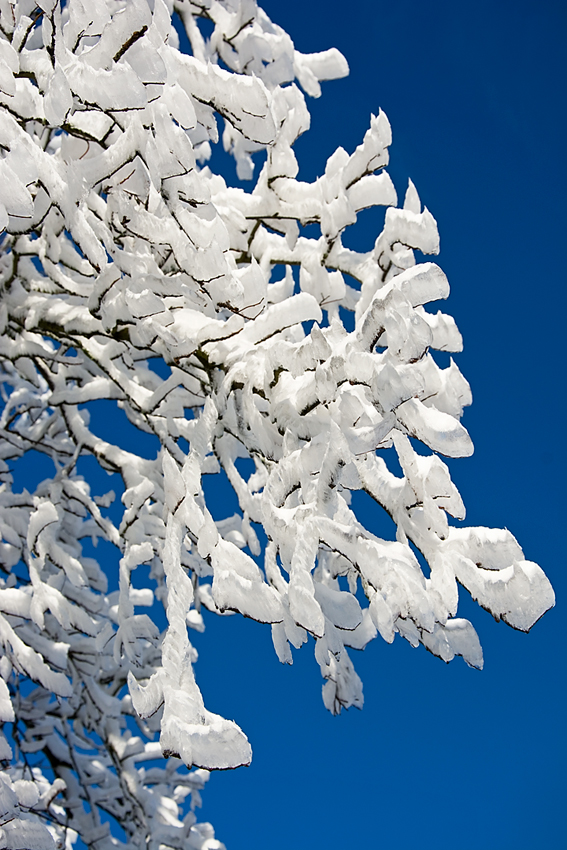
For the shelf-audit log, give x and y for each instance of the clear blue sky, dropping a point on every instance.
(442, 755)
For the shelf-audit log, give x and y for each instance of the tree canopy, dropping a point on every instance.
(237, 330)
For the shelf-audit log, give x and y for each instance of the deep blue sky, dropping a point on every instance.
(442, 755)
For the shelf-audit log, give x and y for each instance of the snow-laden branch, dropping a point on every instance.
(120, 247)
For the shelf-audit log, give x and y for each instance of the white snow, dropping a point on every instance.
(124, 258)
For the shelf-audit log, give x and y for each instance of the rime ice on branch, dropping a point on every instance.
(121, 246)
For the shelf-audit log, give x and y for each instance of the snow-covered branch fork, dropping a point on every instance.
(122, 249)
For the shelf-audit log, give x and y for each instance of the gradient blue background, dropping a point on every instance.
(441, 755)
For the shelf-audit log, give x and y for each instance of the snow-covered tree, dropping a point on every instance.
(132, 272)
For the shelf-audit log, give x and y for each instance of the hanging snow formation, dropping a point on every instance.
(120, 247)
